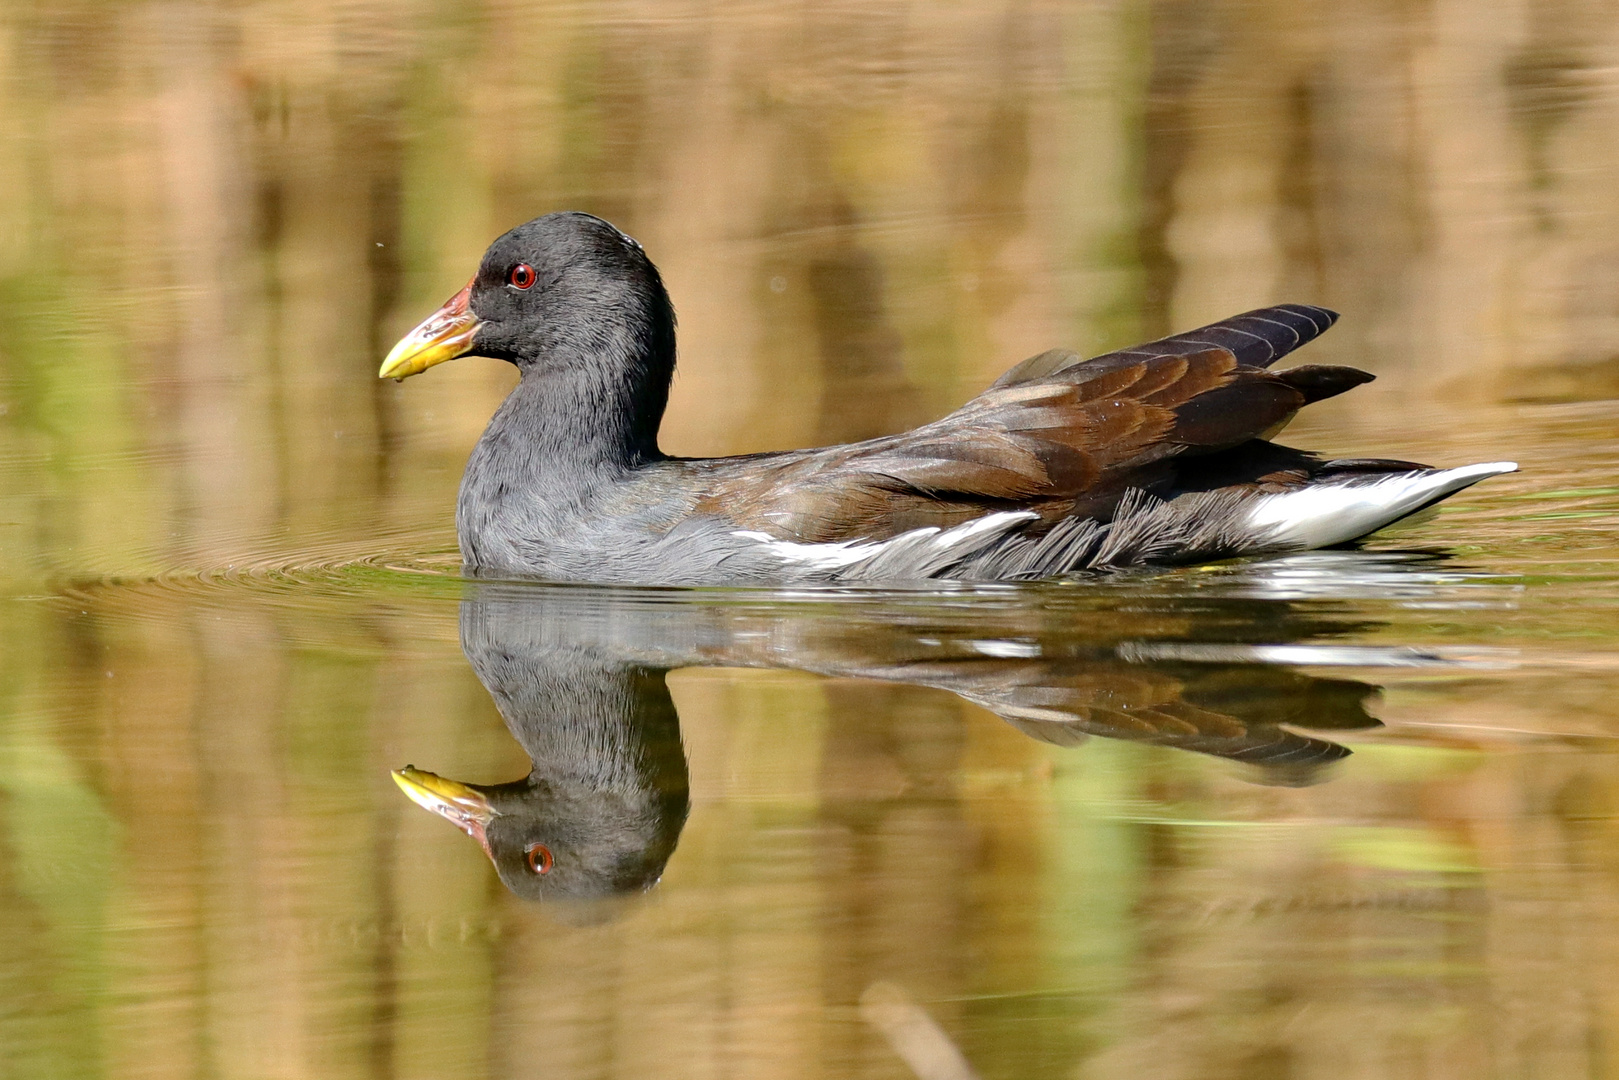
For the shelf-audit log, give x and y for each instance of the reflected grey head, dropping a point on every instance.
(546, 846)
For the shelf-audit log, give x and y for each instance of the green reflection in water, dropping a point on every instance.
(865, 215)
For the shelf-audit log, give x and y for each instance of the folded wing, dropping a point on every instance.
(1057, 435)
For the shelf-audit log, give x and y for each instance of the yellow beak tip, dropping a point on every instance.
(444, 335)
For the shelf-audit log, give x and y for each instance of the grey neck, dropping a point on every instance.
(564, 438)
(564, 419)
(588, 723)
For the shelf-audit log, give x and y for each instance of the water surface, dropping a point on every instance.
(1345, 813)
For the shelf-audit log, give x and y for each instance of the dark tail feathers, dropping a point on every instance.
(1320, 381)
(1257, 338)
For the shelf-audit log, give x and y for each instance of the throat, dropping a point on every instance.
(569, 428)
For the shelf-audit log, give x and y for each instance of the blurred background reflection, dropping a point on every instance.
(227, 573)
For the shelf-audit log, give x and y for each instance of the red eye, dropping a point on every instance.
(522, 276)
(539, 856)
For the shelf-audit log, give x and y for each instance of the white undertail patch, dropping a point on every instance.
(1328, 513)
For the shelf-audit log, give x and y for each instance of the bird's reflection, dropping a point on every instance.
(579, 676)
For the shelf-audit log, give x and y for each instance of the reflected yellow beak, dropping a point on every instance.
(464, 806)
(443, 335)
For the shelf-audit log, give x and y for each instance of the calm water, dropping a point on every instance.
(1348, 814)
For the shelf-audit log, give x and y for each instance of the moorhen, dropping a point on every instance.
(578, 674)
(1154, 454)
(607, 793)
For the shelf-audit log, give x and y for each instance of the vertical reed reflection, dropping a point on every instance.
(216, 218)
(213, 216)
(195, 873)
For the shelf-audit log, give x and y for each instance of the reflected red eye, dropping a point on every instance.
(522, 276)
(539, 856)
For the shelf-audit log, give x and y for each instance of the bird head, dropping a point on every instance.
(556, 289)
(548, 844)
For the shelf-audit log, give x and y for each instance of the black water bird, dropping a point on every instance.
(607, 793)
(1154, 454)
(579, 677)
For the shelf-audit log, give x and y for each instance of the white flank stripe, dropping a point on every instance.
(1334, 513)
(849, 552)
(823, 556)
(970, 529)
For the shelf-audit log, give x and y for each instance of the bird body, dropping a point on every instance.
(1155, 454)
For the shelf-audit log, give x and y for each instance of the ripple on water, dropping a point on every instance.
(316, 576)
(1410, 607)
(348, 569)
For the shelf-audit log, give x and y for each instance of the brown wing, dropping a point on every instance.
(1056, 435)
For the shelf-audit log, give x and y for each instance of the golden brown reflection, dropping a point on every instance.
(206, 863)
(215, 219)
